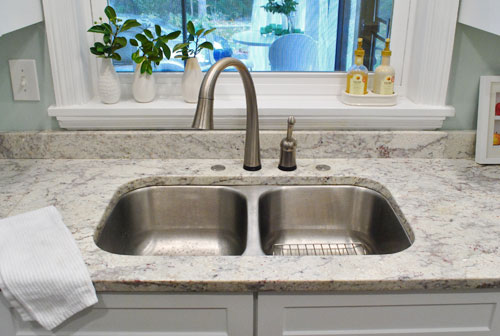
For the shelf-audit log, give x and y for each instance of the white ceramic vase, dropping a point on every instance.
(144, 86)
(108, 83)
(191, 81)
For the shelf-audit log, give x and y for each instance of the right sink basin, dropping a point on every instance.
(329, 220)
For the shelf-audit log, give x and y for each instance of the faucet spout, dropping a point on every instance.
(204, 117)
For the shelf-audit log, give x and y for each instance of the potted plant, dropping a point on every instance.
(192, 77)
(108, 83)
(285, 7)
(151, 48)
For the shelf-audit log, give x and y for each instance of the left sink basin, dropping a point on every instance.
(176, 221)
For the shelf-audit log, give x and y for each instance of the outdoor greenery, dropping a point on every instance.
(111, 39)
(187, 49)
(215, 9)
(285, 7)
(152, 48)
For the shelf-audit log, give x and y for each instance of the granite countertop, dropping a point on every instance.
(452, 206)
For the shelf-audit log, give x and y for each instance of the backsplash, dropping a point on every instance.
(230, 144)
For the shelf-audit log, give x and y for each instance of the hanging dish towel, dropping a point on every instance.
(42, 273)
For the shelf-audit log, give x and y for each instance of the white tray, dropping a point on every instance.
(370, 99)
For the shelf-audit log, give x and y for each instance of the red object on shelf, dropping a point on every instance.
(497, 109)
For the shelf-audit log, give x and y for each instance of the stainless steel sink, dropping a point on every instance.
(329, 220)
(177, 221)
(252, 220)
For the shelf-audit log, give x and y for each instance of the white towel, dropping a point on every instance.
(42, 273)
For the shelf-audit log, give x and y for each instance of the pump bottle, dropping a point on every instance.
(383, 82)
(357, 77)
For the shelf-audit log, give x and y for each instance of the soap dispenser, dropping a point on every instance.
(288, 148)
(383, 83)
(357, 77)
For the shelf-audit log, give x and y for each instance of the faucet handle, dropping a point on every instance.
(288, 149)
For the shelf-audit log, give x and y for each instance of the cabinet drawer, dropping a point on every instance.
(385, 314)
(156, 314)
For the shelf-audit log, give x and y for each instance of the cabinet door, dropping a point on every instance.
(480, 14)
(451, 314)
(157, 314)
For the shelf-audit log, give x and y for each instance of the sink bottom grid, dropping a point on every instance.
(319, 249)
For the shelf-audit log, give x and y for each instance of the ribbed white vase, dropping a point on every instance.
(108, 83)
(191, 81)
(144, 86)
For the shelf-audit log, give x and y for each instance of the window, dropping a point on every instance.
(321, 34)
(422, 34)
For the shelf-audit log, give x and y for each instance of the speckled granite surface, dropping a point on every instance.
(452, 207)
(229, 144)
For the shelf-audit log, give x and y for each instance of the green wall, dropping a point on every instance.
(26, 43)
(476, 53)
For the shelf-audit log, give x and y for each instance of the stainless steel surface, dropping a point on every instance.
(177, 221)
(319, 249)
(288, 148)
(218, 167)
(330, 215)
(252, 221)
(204, 117)
(323, 167)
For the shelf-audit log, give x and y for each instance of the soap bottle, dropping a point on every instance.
(357, 77)
(383, 83)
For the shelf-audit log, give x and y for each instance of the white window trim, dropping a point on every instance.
(426, 41)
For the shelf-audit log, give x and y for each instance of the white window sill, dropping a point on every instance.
(312, 112)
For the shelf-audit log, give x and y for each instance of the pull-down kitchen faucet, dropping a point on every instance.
(204, 117)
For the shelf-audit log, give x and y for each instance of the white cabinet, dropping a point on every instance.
(453, 314)
(17, 14)
(157, 314)
(166, 314)
(481, 14)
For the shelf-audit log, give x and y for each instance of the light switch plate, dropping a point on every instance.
(24, 80)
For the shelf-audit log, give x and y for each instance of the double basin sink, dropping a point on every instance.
(252, 220)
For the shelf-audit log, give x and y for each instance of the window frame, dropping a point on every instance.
(421, 30)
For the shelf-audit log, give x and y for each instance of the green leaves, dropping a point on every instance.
(129, 24)
(193, 37)
(134, 42)
(111, 42)
(206, 45)
(99, 29)
(148, 33)
(110, 13)
(190, 28)
(208, 31)
(173, 35)
(146, 67)
(152, 48)
(158, 30)
(179, 46)
(152, 45)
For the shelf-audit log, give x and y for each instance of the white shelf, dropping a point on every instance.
(497, 117)
(312, 112)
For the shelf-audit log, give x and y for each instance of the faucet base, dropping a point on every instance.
(259, 167)
(287, 168)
